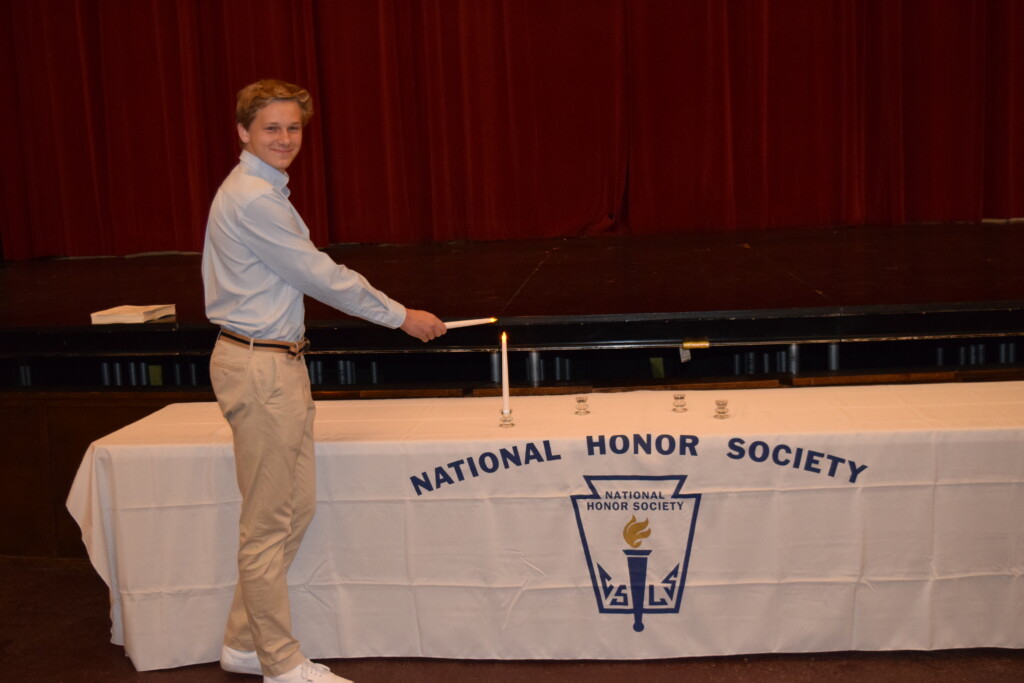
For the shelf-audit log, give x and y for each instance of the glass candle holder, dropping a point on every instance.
(581, 406)
(721, 409)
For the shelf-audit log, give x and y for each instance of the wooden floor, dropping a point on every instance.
(734, 291)
(55, 628)
(823, 269)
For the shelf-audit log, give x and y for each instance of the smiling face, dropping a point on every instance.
(275, 134)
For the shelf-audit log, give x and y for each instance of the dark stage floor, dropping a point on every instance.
(756, 299)
(55, 628)
(822, 269)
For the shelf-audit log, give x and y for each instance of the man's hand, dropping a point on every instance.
(422, 325)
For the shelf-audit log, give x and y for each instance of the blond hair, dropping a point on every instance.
(257, 95)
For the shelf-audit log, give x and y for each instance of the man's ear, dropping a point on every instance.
(243, 134)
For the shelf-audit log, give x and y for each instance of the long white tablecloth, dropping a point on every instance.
(813, 519)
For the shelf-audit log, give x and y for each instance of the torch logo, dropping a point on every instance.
(639, 568)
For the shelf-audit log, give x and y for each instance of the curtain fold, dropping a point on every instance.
(473, 120)
(450, 120)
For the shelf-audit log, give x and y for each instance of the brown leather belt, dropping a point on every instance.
(291, 348)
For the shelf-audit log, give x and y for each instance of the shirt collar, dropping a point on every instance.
(262, 169)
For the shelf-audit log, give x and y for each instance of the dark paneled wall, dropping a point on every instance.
(45, 436)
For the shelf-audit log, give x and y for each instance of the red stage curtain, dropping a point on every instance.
(472, 120)
(493, 119)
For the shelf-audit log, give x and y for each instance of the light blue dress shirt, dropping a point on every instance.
(258, 261)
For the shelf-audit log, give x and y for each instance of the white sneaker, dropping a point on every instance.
(239, 661)
(307, 672)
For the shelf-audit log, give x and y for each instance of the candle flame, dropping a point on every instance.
(503, 336)
(635, 531)
(494, 320)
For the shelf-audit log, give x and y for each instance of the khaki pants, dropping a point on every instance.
(266, 399)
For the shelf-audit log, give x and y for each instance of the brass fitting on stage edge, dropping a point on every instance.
(692, 343)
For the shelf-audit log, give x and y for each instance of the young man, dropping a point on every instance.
(258, 262)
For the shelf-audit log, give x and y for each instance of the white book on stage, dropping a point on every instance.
(132, 314)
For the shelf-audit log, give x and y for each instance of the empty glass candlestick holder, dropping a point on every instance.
(581, 406)
(679, 403)
(721, 409)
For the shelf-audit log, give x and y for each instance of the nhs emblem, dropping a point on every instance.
(636, 534)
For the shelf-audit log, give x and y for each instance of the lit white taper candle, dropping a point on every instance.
(504, 371)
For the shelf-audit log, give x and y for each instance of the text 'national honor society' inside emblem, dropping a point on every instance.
(636, 534)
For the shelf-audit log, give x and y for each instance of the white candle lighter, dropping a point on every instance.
(452, 324)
